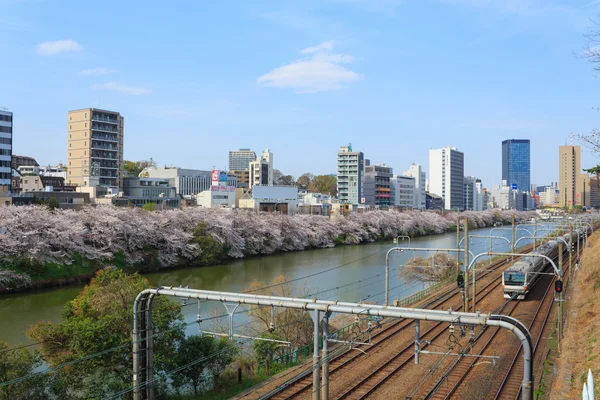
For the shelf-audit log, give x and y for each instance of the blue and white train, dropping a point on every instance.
(522, 275)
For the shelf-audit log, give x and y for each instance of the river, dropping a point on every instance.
(360, 276)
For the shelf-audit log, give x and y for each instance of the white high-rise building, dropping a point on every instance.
(446, 176)
(416, 171)
(261, 170)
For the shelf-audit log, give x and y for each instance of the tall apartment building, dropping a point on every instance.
(239, 160)
(416, 171)
(446, 176)
(569, 176)
(350, 175)
(516, 163)
(6, 140)
(261, 170)
(95, 149)
(377, 188)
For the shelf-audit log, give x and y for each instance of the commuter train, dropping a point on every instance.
(523, 274)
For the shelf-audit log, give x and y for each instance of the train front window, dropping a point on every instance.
(514, 278)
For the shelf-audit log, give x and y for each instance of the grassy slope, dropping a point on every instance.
(581, 344)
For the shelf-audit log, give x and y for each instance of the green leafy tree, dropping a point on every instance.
(100, 319)
(206, 358)
(267, 350)
(149, 207)
(304, 181)
(324, 184)
(596, 171)
(16, 364)
(134, 168)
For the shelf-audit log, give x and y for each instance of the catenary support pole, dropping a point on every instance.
(417, 340)
(571, 253)
(466, 229)
(316, 394)
(325, 358)
(513, 238)
(559, 308)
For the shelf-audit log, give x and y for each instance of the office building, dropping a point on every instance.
(569, 176)
(377, 187)
(416, 171)
(594, 195)
(261, 170)
(446, 176)
(239, 160)
(350, 175)
(404, 190)
(516, 164)
(6, 140)
(473, 194)
(95, 149)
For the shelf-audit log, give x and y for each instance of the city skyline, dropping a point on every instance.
(385, 90)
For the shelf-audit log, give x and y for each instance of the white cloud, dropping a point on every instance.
(325, 46)
(58, 46)
(319, 71)
(121, 88)
(95, 71)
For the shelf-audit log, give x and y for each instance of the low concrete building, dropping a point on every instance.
(140, 191)
(35, 183)
(434, 201)
(217, 197)
(187, 182)
(64, 199)
(282, 199)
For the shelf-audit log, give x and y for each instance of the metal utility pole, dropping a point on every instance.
(466, 289)
(457, 241)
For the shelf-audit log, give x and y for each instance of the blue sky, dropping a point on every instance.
(395, 78)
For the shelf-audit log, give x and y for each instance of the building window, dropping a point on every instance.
(86, 124)
(70, 118)
(70, 126)
(69, 154)
(85, 115)
(69, 163)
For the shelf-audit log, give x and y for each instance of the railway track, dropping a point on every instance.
(508, 389)
(458, 373)
(303, 382)
(380, 375)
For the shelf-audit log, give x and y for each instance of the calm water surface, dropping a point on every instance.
(360, 276)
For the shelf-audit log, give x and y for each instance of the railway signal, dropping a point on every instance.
(460, 281)
(558, 286)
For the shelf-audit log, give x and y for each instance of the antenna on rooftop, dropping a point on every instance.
(571, 136)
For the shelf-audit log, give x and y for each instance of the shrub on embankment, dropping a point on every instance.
(581, 343)
(44, 244)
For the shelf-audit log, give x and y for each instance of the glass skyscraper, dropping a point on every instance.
(516, 163)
